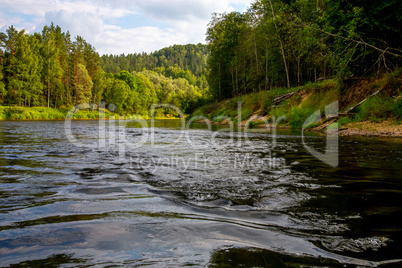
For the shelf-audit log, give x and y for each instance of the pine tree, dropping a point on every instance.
(52, 72)
(82, 85)
(3, 92)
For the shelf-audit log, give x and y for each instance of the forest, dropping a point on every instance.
(288, 43)
(187, 57)
(274, 44)
(49, 69)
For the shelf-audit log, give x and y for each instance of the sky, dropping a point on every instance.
(120, 26)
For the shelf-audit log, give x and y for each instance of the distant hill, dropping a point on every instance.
(188, 57)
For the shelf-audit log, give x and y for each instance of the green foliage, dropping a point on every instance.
(2, 113)
(178, 92)
(83, 85)
(192, 58)
(36, 113)
(375, 22)
(88, 114)
(298, 116)
(49, 69)
(290, 43)
(377, 109)
(344, 121)
(397, 108)
(44, 113)
(3, 91)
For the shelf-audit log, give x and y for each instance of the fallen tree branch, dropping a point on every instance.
(281, 98)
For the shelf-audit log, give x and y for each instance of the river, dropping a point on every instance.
(124, 194)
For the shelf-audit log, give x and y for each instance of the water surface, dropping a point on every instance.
(194, 198)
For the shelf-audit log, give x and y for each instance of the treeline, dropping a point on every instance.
(49, 69)
(187, 57)
(285, 43)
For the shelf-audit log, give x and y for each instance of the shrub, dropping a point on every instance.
(396, 109)
(246, 113)
(299, 115)
(375, 109)
(344, 121)
(2, 114)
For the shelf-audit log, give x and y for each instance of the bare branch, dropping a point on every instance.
(385, 51)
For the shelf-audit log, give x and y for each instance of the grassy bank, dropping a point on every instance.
(44, 113)
(296, 105)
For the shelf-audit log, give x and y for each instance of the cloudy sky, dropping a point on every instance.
(120, 26)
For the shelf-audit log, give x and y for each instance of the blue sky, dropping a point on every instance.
(120, 26)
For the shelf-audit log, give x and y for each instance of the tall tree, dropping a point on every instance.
(3, 91)
(34, 86)
(52, 72)
(13, 65)
(82, 85)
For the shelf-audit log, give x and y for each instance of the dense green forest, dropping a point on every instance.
(274, 44)
(50, 69)
(287, 43)
(187, 57)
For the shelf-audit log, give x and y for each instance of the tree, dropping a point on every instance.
(13, 65)
(3, 92)
(34, 87)
(116, 92)
(82, 85)
(364, 34)
(52, 72)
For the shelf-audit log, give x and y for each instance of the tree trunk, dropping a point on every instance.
(237, 81)
(266, 70)
(315, 75)
(219, 80)
(48, 76)
(298, 71)
(256, 62)
(282, 49)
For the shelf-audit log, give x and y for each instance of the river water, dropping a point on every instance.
(123, 194)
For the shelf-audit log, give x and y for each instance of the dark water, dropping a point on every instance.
(206, 199)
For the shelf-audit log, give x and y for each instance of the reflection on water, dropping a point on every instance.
(197, 197)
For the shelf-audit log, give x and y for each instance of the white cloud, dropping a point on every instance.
(146, 39)
(41, 7)
(182, 21)
(182, 9)
(87, 25)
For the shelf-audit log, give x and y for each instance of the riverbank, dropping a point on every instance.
(372, 129)
(45, 113)
(369, 106)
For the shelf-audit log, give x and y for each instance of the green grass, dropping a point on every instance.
(344, 121)
(296, 110)
(35, 113)
(397, 108)
(44, 113)
(314, 97)
(379, 109)
(255, 103)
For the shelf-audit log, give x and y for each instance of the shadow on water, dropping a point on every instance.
(51, 262)
(249, 257)
(254, 257)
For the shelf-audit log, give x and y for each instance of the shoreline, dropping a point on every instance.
(388, 129)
